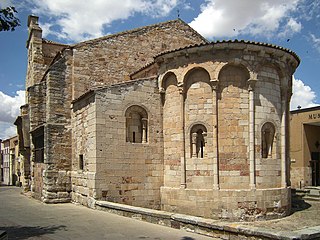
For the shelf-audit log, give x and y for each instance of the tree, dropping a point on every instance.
(7, 19)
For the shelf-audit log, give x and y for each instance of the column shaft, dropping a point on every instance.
(215, 139)
(182, 158)
(252, 139)
(283, 145)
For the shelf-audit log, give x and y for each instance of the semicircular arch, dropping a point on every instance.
(169, 78)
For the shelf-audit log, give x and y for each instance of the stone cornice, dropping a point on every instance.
(230, 45)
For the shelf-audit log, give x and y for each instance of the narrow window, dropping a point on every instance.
(198, 141)
(81, 162)
(201, 149)
(267, 139)
(136, 124)
(38, 145)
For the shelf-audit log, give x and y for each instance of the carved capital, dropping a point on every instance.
(194, 138)
(162, 90)
(251, 84)
(214, 84)
(180, 88)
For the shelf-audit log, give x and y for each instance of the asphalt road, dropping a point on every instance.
(25, 218)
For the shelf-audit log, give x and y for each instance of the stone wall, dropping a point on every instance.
(233, 131)
(233, 205)
(113, 58)
(198, 112)
(121, 171)
(57, 132)
(36, 95)
(37, 105)
(268, 109)
(40, 52)
(84, 146)
(240, 97)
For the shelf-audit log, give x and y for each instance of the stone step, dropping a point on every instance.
(313, 193)
(312, 187)
(299, 192)
(310, 198)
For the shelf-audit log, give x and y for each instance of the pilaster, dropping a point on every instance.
(251, 86)
(215, 87)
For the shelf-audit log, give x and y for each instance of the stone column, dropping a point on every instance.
(194, 145)
(182, 158)
(144, 130)
(214, 85)
(283, 137)
(251, 83)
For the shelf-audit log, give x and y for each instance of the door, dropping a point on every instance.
(315, 168)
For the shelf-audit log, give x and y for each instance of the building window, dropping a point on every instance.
(136, 124)
(81, 162)
(267, 138)
(38, 144)
(198, 136)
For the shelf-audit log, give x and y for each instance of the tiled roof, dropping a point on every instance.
(52, 42)
(235, 41)
(219, 42)
(135, 30)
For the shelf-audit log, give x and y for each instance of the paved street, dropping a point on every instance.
(25, 218)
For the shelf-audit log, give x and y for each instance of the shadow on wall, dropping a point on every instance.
(25, 232)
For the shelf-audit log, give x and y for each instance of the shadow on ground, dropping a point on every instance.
(298, 204)
(25, 232)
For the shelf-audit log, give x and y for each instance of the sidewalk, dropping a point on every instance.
(303, 223)
(25, 218)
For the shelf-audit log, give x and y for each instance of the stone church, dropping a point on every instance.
(158, 117)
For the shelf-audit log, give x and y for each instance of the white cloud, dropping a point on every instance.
(9, 110)
(292, 27)
(316, 42)
(228, 18)
(10, 106)
(7, 130)
(80, 20)
(303, 95)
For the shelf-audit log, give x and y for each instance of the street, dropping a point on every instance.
(25, 218)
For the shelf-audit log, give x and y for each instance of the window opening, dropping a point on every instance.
(81, 162)
(136, 124)
(198, 141)
(38, 144)
(267, 138)
(201, 149)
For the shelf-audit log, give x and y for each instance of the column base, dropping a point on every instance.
(183, 185)
(216, 187)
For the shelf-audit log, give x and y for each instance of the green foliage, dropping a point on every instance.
(7, 19)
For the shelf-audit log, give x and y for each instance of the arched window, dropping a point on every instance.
(136, 124)
(198, 137)
(267, 138)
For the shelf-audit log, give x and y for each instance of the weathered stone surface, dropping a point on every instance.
(200, 129)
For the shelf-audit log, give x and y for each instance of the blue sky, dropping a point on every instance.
(293, 24)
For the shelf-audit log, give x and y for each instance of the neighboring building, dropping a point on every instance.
(6, 162)
(305, 147)
(9, 153)
(160, 118)
(1, 163)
